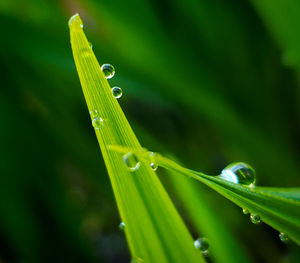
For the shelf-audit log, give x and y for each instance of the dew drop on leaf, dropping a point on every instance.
(245, 211)
(122, 226)
(94, 113)
(117, 92)
(154, 166)
(97, 122)
(131, 161)
(255, 219)
(202, 244)
(283, 237)
(239, 173)
(108, 70)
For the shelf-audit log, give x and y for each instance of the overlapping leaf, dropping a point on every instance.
(278, 207)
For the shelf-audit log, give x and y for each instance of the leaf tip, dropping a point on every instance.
(75, 21)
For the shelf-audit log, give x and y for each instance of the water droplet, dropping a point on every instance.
(97, 122)
(154, 166)
(239, 173)
(255, 219)
(122, 225)
(93, 113)
(131, 161)
(283, 237)
(245, 211)
(91, 45)
(117, 92)
(108, 70)
(202, 244)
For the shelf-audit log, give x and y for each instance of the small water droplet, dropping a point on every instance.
(245, 211)
(131, 161)
(108, 70)
(239, 173)
(93, 113)
(117, 92)
(91, 45)
(122, 225)
(283, 237)
(97, 122)
(202, 244)
(154, 166)
(255, 219)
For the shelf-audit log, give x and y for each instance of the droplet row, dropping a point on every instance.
(109, 71)
(133, 163)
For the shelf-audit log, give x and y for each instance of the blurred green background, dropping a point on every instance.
(210, 82)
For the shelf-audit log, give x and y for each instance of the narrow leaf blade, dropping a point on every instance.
(154, 230)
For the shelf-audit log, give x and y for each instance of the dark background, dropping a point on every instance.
(211, 82)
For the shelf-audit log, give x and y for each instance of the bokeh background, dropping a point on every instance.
(210, 82)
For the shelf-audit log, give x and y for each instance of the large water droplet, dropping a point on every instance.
(283, 237)
(255, 219)
(117, 92)
(245, 211)
(108, 70)
(131, 161)
(122, 225)
(239, 173)
(97, 122)
(202, 244)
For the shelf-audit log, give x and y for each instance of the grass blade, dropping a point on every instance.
(154, 230)
(278, 207)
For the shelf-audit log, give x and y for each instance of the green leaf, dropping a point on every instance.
(154, 230)
(277, 207)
